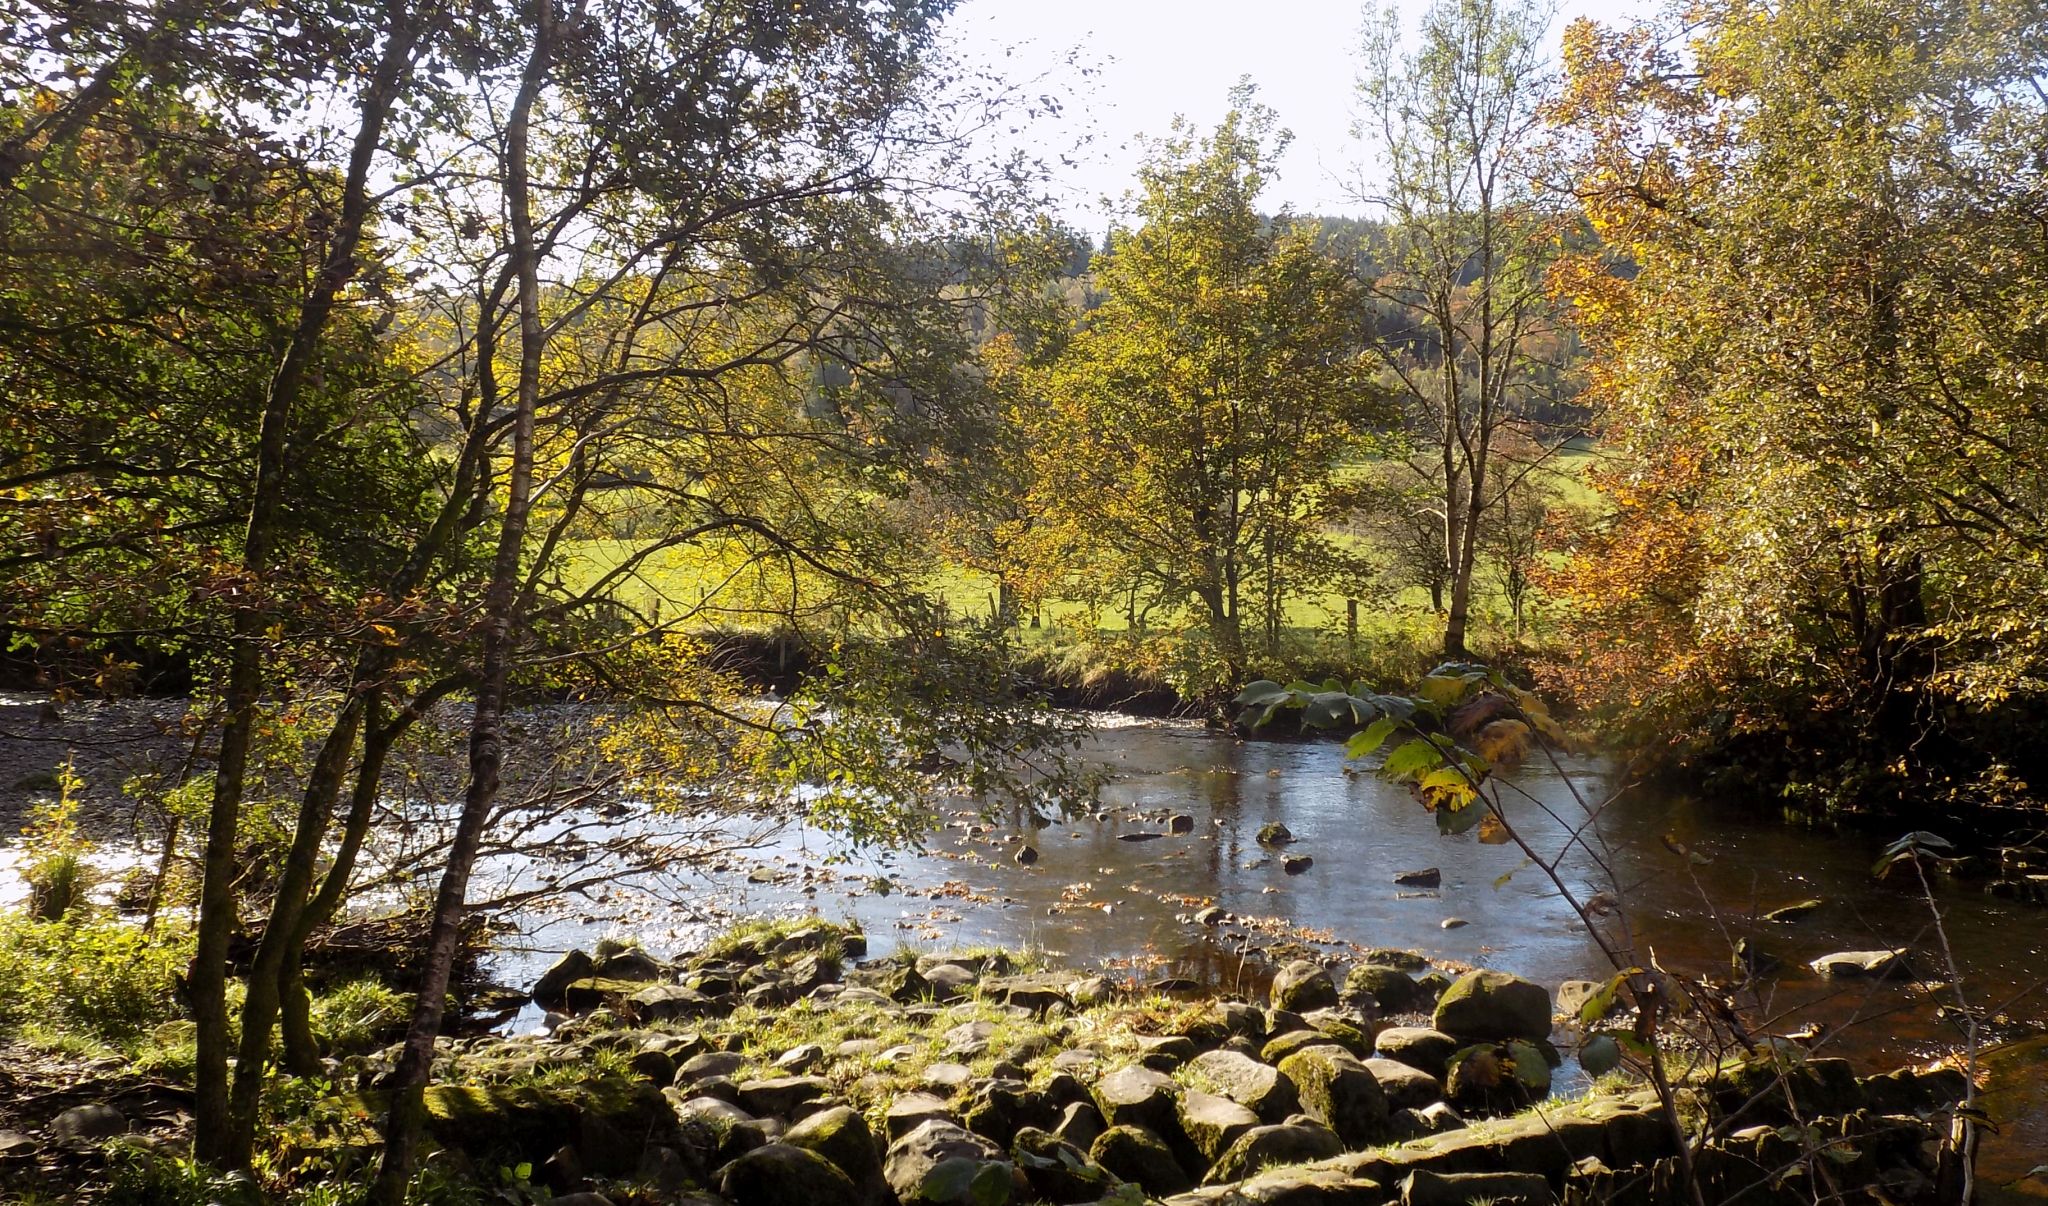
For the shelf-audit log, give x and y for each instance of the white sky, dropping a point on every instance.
(1160, 58)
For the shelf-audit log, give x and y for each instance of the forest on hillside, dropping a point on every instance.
(375, 374)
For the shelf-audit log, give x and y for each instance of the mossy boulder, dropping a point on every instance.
(1257, 1087)
(841, 1135)
(512, 1119)
(1339, 1092)
(1303, 985)
(1134, 1154)
(1213, 1123)
(781, 1174)
(1265, 1147)
(1419, 1047)
(1389, 989)
(911, 1159)
(1491, 1005)
(1058, 1171)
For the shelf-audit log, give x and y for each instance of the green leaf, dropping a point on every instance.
(1501, 881)
(1260, 694)
(1601, 1003)
(1369, 739)
(1443, 690)
(1412, 759)
(1327, 710)
(1453, 821)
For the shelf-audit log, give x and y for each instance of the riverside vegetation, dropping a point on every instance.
(584, 435)
(778, 1065)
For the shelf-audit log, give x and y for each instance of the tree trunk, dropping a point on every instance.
(214, 1128)
(501, 605)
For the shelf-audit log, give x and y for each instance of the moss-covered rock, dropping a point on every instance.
(1303, 985)
(1491, 1005)
(841, 1135)
(1337, 1091)
(1135, 1154)
(1265, 1147)
(781, 1174)
(1257, 1087)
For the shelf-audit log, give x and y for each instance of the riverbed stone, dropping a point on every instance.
(841, 1135)
(1080, 1123)
(669, 1003)
(911, 1110)
(1165, 1052)
(1303, 985)
(1405, 1088)
(1493, 1005)
(1136, 1096)
(1388, 988)
(781, 1173)
(85, 1125)
(708, 1065)
(1058, 1171)
(1002, 1107)
(573, 966)
(912, 1157)
(1135, 1154)
(1348, 1029)
(1426, 1188)
(946, 1077)
(782, 1094)
(948, 981)
(1258, 1087)
(1572, 996)
(1339, 1092)
(1264, 1147)
(1213, 1123)
(1284, 1045)
(1419, 1047)
(1273, 833)
(629, 963)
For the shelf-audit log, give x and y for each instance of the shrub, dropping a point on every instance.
(107, 979)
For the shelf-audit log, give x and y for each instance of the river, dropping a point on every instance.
(1693, 879)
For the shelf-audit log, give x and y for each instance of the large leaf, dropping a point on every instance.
(1327, 710)
(1369, 739)
(1413, 759)
(1261, 694)
(1443, 690)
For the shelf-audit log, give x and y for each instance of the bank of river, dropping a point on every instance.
(1093, 898)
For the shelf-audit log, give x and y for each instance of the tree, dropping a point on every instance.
(1189, 430)
(1468, 331)
(1819, 378)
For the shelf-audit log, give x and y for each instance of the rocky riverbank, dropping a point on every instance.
(779, 1066)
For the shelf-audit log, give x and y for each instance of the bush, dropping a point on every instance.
(360, 1016)
(104, 978)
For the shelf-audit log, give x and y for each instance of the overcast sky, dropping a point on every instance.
(1160, 58)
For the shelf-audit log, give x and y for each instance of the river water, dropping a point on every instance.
(1693, 880)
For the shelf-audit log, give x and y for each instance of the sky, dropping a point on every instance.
(1159, 58)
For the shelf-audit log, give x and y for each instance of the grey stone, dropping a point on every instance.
(1493, 1005)
(1390, 989)
(841, 1135)
(1339, 1092)
(1301, 986)
(1265, 1147)
(1251, 1084)
(85, 1125)
(912, 1110)
(1213, 1123)
(1134, 1154)
(779, 1174)
(912, 1157)
(1405, 1088)
(1419, 1047)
